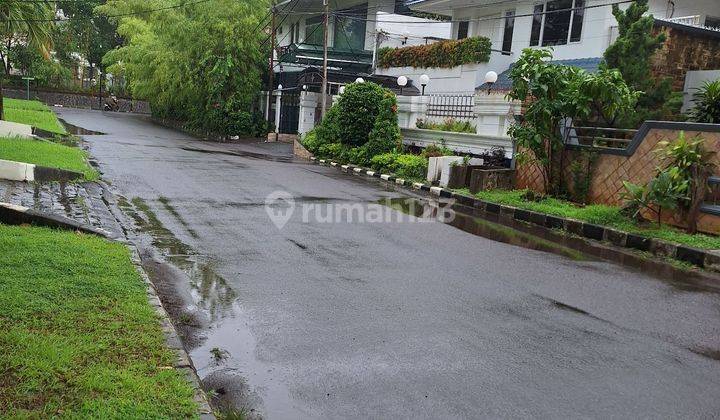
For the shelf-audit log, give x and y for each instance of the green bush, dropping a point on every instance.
(707, 103)
(385, 135)
(443, 54)
(402, 165)
(357, 109)
(449, 124)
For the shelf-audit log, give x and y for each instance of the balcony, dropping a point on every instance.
(312, 55)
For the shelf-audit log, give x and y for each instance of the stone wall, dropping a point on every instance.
(77, 100)
(687, 48)
(638, 164)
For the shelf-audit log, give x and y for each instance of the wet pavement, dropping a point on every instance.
(409, 319)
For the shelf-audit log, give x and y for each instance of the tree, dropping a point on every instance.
(631, 54)
(85, 32)
(554, 94)
(28, 23)
(200, 63)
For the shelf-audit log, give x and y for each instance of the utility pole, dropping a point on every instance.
(271, 82)
(325, 55)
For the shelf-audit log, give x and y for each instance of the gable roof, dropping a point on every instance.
(504, 83)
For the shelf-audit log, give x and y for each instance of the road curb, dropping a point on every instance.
(12, 214)
(182, 361)
(707, 259)
(28, 172)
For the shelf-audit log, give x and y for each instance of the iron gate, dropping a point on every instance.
(289, 112)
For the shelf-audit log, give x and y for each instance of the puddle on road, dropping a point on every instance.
(481, 227)
(78, 131)
(208, 317)
(251, 155)
(513, 232)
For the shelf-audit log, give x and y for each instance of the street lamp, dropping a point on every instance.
(359, 80)
(424, 80)
(402, 81)
(341, 90)
(490, 79)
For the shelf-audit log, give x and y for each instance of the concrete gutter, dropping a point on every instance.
(28, 172)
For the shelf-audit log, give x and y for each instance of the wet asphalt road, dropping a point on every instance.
(394, 320)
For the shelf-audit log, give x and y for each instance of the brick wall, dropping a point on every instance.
(610, 170)
(686, 48)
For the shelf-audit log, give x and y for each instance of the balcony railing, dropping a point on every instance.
(694, 20)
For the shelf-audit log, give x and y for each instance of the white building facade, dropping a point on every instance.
(575, 29)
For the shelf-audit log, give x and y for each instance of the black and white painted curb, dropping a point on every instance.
(708, 259)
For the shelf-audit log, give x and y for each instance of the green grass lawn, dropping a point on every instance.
(79, 338)
(34, 113)
(46, 153)
(597, 214)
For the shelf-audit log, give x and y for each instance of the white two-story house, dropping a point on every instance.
(578, 30)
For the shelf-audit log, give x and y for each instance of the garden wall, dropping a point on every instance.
(637, 164)
(687, 48)
(76, 100)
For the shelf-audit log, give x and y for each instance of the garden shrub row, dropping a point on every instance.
(443, 54)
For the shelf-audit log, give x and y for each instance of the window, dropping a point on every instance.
(295, 33)
(712, 22)
(557, 22)
(463, 28)
(350, 29)
(536, 25)
(508, 32)
(314, 31)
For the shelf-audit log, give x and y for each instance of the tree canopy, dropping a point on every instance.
(201, 63)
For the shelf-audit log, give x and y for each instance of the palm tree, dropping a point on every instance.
(28, 23)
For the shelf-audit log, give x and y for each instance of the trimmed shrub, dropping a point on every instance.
(357, 109)
(402, 165)
(385, 135)
(443, 54)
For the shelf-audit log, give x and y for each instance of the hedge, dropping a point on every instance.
(443, 54)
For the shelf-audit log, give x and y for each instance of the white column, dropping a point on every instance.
(308, 105)
(278, 104)
(410, 109)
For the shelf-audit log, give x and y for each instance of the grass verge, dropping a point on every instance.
(46, 153)
(33, 113)
(597, 214)
(79, 338)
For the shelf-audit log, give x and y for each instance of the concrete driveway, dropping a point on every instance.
(391, 320)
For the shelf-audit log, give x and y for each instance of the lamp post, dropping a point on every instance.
(341, 90)
(359, 80)
(402, 81)
(424, 80)
(490, 79)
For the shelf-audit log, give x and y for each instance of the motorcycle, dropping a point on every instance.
(111, 104)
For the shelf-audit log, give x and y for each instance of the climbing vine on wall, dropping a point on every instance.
(444, 54)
